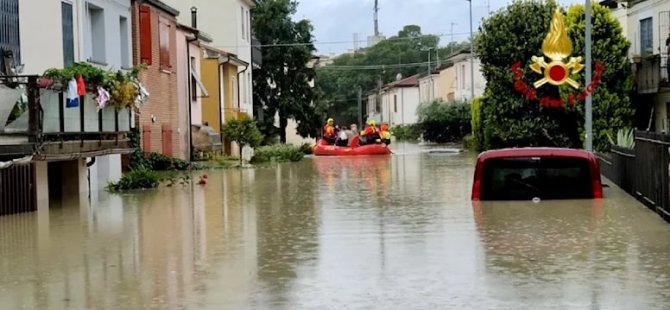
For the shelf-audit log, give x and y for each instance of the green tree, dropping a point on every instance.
(516, 34)
(444, 122)
(282, 84)
(242, 131)
(339, 83)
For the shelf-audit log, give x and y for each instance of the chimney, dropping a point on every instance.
(194, 17)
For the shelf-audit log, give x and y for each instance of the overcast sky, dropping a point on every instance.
(337, 20)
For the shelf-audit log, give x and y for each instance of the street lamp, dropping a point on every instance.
(472, 58)
(588, 123)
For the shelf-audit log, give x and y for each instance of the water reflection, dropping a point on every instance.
(394, 232)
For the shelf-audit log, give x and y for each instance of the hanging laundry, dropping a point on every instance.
(72, 95)
(102, 98)
(81, 87)
(143, 94)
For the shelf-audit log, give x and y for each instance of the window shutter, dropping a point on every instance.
(164, 40)
(145, 34)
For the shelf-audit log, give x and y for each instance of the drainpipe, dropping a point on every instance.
(238, 86)
(221, 87)
(194, 12)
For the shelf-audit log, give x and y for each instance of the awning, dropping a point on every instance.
(196, 78)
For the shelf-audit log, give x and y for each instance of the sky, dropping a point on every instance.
(336, 21)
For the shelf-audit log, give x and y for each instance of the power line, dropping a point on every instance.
(377, 67)
(338, 42)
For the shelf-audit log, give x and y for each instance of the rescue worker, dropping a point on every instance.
(329, 132)
(385, 133)
(371, 134)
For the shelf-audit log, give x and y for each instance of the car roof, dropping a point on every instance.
(535, 152)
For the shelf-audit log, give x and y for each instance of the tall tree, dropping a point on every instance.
(339, 83)
(517, 33)
(282, 84)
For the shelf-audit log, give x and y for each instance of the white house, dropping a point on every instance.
(428, 87)
(55, 34)
(228, 22)
(463, 81)
(646, 24)
(399, 101)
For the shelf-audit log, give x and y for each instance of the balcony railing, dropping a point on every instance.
(35, 121)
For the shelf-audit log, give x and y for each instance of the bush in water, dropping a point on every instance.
(277, 153)
(140, 178)
(307, 148)
(406, 132)
(242, 131)
(444, 122)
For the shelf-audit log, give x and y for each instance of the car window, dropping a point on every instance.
(545, 178)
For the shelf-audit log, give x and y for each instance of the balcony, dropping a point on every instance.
(35, 121)
(650, 73)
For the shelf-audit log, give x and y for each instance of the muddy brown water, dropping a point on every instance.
(393, 232)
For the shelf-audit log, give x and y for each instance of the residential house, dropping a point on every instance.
(190, 90)
(646, 24)
(462, 76)
(68, 150)
(229, 24)
(396, 103)
(219, 76)
(428, 87)
(445, 85)
(161, 119)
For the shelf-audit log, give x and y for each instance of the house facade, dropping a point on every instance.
(161, 118)
(69, 150)
(462, 77)
(646, 24)
(428, 87)
(395, 103)
(228, 22)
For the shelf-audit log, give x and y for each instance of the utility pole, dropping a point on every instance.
(589, 99)
(360, 107)
(376, 18)
(472, 58)
(452, 39)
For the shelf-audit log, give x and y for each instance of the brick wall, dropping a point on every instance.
(162, 87)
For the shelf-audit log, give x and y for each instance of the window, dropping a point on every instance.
(125, 42)
(244, 23)
(527, 178)
(646, 37)
(145, 35)
(164, 41)
(395, 103)
(68, 34)
(96, 16)
(249, 27)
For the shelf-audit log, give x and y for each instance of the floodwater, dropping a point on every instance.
(336, 233)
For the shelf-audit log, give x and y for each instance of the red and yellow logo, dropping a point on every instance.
(556, 47)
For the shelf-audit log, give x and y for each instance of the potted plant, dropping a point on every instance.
(636, 58)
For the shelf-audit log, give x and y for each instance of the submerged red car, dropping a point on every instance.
(530, 173)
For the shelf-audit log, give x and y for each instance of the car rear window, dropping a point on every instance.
(544, 178)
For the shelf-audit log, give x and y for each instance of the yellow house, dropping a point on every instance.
(219, 72)
(445, 87)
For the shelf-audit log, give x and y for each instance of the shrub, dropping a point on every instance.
(160, 162)
(625, 138)
(243, 131)
(407, 132)
(477, 137)
(444, 122)
(140, 178)
(511, 120)
(277, 153)
(307, 148)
